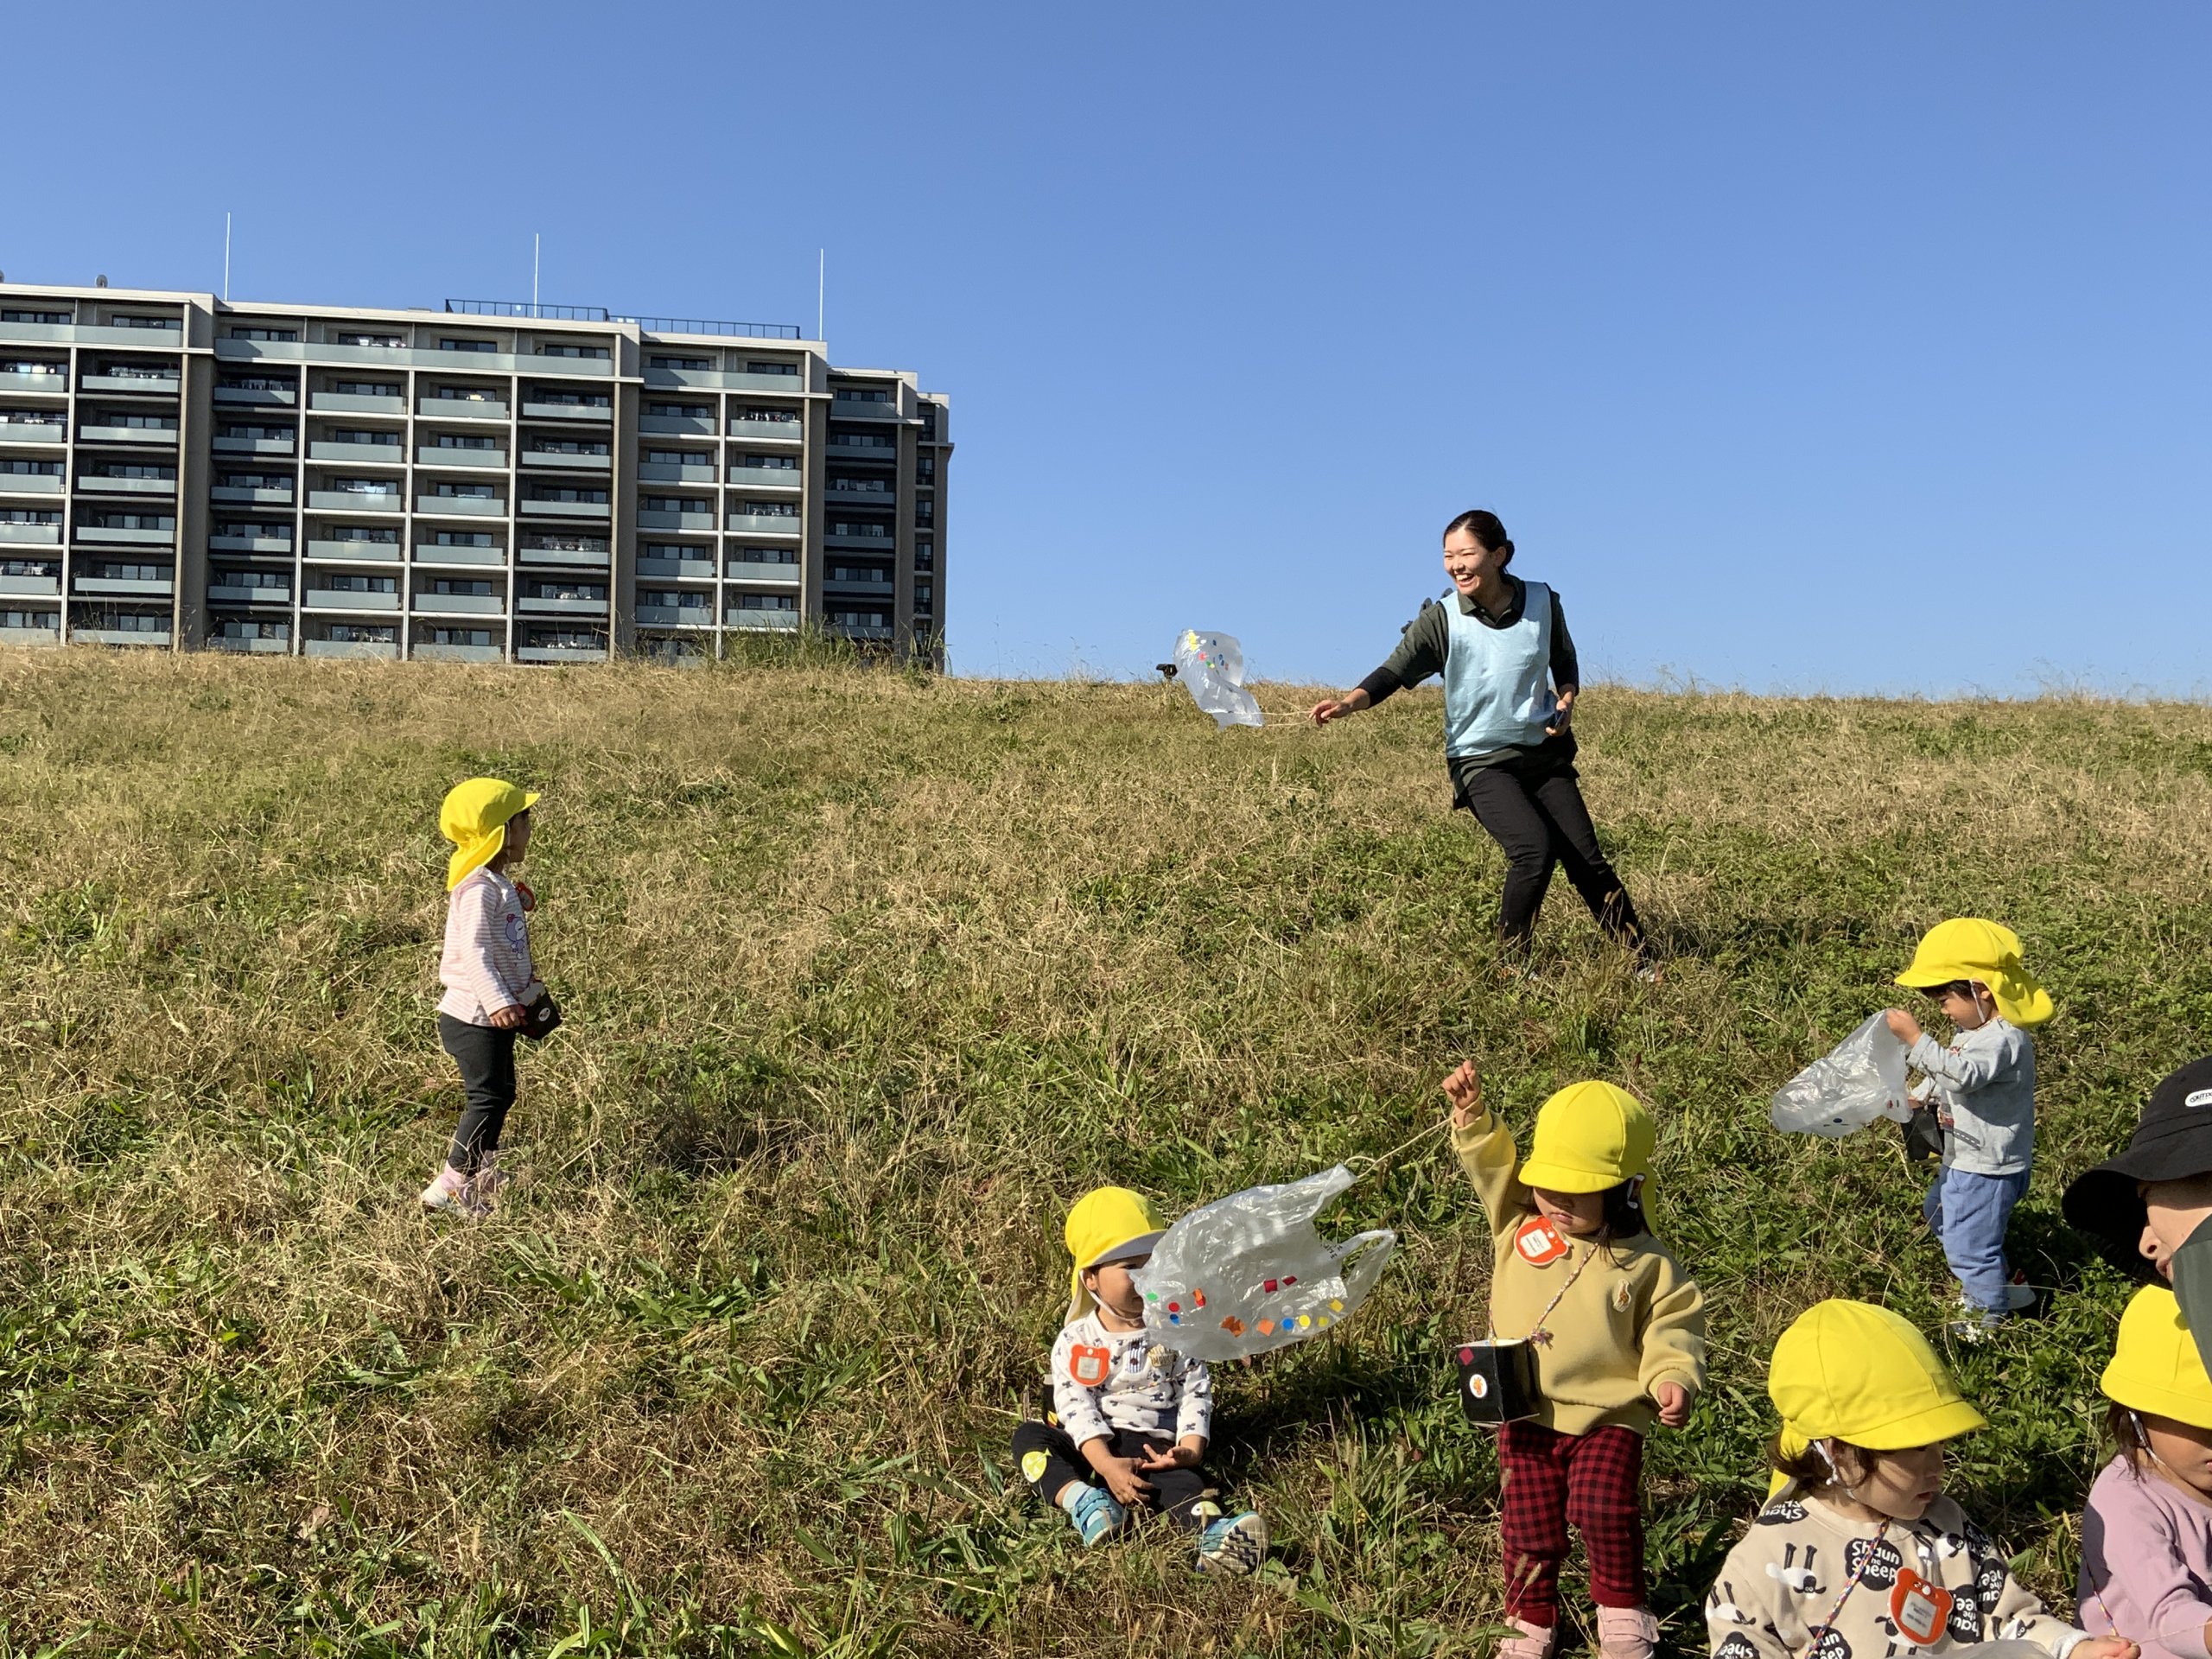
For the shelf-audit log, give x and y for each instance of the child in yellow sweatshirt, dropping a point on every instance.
(1618, 1331)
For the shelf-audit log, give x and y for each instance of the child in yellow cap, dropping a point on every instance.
(1618, 1332)
(1982, 1086)
(488, 979)
(1132, 1419)
(2146, 1538)
(1858, 1552)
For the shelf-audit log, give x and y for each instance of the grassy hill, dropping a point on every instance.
(867, 978)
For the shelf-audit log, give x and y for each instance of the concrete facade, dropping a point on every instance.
(484, 483)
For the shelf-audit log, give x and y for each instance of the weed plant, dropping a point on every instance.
(868, 975)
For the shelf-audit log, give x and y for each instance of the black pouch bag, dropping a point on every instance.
(1497, 1380)
(541, 1018)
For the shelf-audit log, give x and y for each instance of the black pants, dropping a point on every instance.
(487, 1078)
(1532, 806)
(1058, 1462)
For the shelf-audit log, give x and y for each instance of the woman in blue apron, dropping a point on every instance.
(1498, 640)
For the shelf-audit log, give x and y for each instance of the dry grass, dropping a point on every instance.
(868, 976)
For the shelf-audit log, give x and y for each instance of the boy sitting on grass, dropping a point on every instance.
(1131, 1418)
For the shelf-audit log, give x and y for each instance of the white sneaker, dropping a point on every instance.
(2019, 1296)
(449, 1195)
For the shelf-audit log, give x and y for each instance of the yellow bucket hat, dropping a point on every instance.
(1967, 947)
(1852, 1372)
(1109, 1223)
(473, 816)
(1589, 1136)
(2155, 1365)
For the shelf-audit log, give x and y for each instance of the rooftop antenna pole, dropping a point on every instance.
(226, 259)
(534, 240)
(820, 288)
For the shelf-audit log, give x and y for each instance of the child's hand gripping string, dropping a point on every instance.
(1906, 1030)
(1674, 1403)
(1464, 1088)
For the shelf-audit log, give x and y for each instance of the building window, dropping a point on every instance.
(252, 530)
(845, 438)
(459, 637)
(279, 481)
(237, 382)
(678, 458)
(682, 411)
(356, 337)
(367, 486)
(568, 447)
(765, 556)
(122, 321)
(108, 571)
(924, 593)
(40, 469)
(770, 463)
(549, 492)
(859, 484)
(155, 371)
(365, 434)
(551, 542)
(379, 534)
(573, 351)
(763, 510)
(30, 365)
(763, 602)
(772, 368)
(361, 584)
(467, 345)
(593, 591)
(365, 388)
(689, 362)
(362, 634)
(260, 334)
(678, 504)
(676, 599)
(925, 511)
(260, 433)
(566, 639)
(238, 628)
(27, 618)
(119, 418)
(774, 417)
(465, 491)
(552, 398)
(865, 394)
(465, 441)
(464, 395)
(29, 418)
(128, 469)
(465, 538)
(262, 579)
(924, 555)
(30, 515)
(44, 319)
(845, 527)
(462, 585)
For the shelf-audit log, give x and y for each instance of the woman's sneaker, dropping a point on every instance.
(1235, 1544)
(1096, 1515)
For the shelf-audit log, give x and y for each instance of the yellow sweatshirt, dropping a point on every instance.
(1631, 1321)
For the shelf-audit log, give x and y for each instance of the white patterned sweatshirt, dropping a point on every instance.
(1780, 1585)
(486, 965)
(1104, 1380)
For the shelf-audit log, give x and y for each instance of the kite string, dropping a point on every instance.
(1376, 1164)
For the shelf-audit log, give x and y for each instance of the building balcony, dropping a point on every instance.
(142, 386)
(572, 462)
(600, 413)
(256, 396)
(851, 409)
(249, 545)
(55, 385)
(31, 535)
(881, 546)
(459, 409)
(782, 576)
(356, 552)
(769, 431)
(759, 525)
(356, 501)
(342, 598)
(49, 635)
(676, 616)
(143, 436)
(429, 651)
(694, 425)
(661, 472)
(378, 454)
(86, 635)
(32, 432)
(768, 478)
(31, 483)
(355, 402)
(579, 557)
(677, 520)
(255, 644)
(861, 630)
(760, 621)
(561, 654)
(46, 587)
(874, 587)
(93, 484)
(229, 446)
(473, 557)
(130, 586)
(841, 496)
(539, 605)
(377, 651)
(232, 493)
(531, 507)
(118, 536)
(464, 506)
(461, 604)
(698, 569)
(463, 460)
(224, 593)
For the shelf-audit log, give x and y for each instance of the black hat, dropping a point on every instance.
(2172, 1142)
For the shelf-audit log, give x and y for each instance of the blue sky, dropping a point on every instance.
(1835, 347)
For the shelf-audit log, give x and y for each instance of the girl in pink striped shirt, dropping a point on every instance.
(489, 981)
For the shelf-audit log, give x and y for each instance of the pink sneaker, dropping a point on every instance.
(449, 1195)
(1627, 1632)
(1533, 1642)
(486, 1184)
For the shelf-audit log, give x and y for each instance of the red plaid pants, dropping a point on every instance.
(1550, 1479)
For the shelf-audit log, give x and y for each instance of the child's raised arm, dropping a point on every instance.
(1486, 1152)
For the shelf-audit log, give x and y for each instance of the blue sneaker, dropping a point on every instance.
(1235, 1544)
(1096, 1515)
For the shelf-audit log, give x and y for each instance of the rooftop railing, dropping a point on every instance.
(529, 309)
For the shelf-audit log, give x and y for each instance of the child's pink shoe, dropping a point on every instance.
(1533, 1642)
(1627, 1632)
(448, 1195)
(484, 1185)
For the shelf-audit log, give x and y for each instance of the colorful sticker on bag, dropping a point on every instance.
(1032, 1466)
(1538, 1243)
(1090, 1366)
(1918, 1608)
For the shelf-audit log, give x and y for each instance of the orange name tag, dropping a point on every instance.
(1918, 1608)
(1089, 1366)
(1539, 1243)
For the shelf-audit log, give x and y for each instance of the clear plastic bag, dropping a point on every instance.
(1861, 1079)
(1250, 1272)
(1211, 668)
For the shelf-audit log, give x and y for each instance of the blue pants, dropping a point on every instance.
(1968, 1212)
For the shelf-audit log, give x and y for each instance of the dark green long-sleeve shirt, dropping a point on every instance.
(1421, 650)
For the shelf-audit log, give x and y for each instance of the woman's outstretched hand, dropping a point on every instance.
(1331, 708)
(1464, 1088)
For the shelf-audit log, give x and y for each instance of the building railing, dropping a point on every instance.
(529, 309)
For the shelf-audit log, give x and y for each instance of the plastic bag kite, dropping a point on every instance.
(1861, 1080)
(1212, 665)
(1248, 1272)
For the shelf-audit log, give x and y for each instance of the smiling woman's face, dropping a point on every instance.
(1470, 564)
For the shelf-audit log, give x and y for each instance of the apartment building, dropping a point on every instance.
(488, 482)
